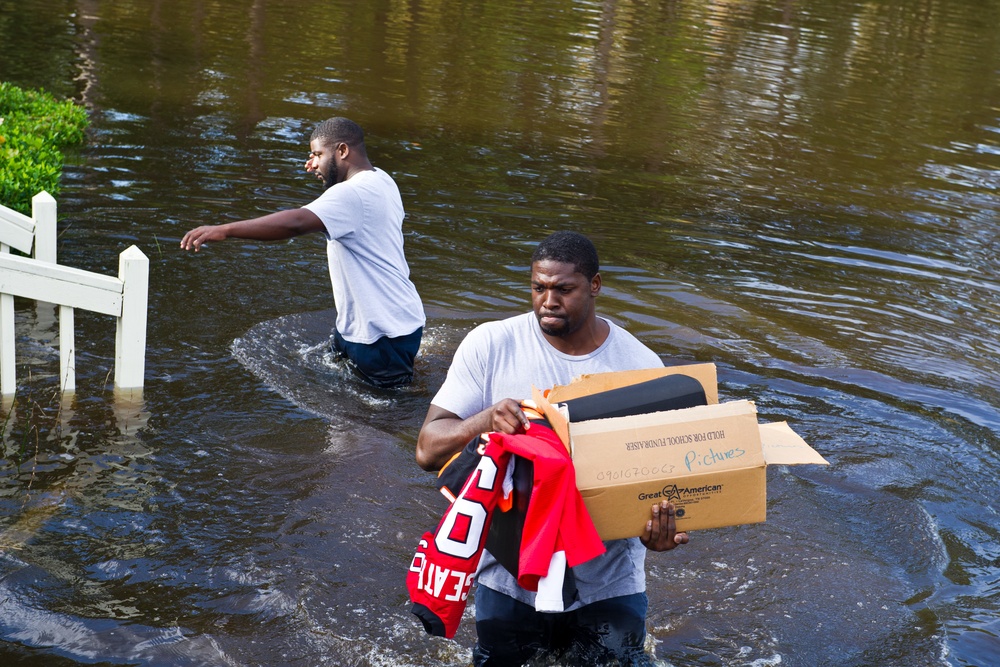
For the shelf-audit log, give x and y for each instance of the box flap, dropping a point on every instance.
(557, 418)
(783, 446)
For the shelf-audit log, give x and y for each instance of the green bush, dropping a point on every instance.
(34, 129)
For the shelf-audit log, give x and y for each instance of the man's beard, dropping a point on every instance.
(330, 180)
(563, 329)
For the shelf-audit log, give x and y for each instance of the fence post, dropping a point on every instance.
(8, 382)
(67, 349)
(130, 339)
(43, 211)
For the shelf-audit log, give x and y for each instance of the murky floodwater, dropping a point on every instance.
(801, 192)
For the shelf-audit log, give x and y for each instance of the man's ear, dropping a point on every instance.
(343, 150)
(595, 285)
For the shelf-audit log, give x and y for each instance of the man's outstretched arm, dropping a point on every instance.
(271, 227)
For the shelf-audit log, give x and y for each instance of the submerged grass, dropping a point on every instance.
(22, 449)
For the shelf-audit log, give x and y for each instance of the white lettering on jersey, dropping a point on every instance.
(474, 511)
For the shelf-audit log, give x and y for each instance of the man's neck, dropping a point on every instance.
(355, 169)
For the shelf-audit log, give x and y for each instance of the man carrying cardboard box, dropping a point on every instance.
(496, 365)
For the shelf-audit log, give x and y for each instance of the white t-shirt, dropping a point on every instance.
(371, 279)
(504, 359)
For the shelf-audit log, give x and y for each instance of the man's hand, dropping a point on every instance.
(194, 239)
(312, 166)
(507, 417)
(661, 532)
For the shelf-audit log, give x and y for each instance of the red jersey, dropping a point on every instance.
(556, 525)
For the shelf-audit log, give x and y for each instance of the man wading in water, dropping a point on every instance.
(495, 365)
(380, 317)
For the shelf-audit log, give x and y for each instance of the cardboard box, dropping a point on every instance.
(710, 461)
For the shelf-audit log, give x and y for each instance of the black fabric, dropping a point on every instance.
(507, 528)
(454, 474)
(432, 624)
(670, 392)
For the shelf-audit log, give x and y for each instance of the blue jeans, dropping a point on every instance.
(604, 632)
(387, 363)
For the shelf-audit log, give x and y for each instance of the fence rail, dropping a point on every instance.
(39, 277)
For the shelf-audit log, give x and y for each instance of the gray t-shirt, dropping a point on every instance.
(371, 279)
(499, 360)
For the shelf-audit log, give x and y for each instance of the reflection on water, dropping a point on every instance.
(802, 192)
(64, 485)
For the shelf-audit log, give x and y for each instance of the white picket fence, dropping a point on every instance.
(39, 277)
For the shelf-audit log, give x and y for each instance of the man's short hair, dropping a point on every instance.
(569, 248)
(334, 130)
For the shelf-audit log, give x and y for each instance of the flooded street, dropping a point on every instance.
(802, 192)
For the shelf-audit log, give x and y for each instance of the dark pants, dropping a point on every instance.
(387, 363)
(510, 633)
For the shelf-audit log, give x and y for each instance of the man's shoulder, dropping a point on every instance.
(498, 339)
(628, 351)
(621, 335)
(507, 327)
(360, 182)
(374, 178)
(381, 174)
